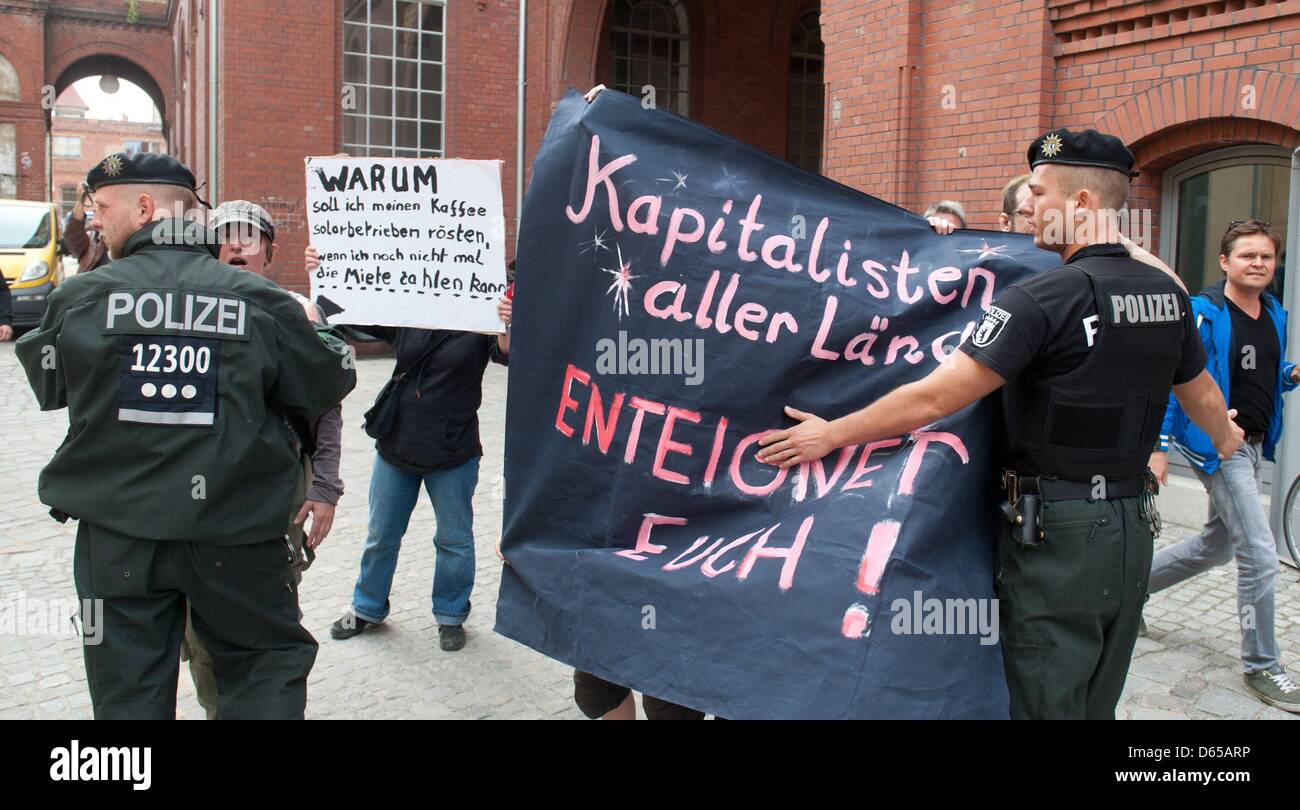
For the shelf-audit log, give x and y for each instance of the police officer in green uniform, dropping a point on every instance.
(176, 371)
(1086, 355)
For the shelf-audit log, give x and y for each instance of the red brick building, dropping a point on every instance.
(77, 143)
(911, 101)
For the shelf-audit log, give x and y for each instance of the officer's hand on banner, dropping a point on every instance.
(322, 520)
(942, 225)
(6, 332)
(312, 259)
(1159, 464)
(591, 94)
(807, 441)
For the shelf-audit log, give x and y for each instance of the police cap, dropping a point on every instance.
(1085, 148)
(143, 167)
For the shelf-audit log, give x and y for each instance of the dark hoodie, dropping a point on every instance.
(437, 412)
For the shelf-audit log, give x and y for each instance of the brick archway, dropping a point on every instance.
(582, 26)
(92, 59)
(1167, 148)
(1250, 99)
(1199, 113)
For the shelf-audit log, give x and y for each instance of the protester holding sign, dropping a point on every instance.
(425, 423)
(407, 242)
(1088, 353)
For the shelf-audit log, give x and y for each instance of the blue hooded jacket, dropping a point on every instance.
(1214, 323)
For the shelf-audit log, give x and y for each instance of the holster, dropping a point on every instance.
(1023, 511)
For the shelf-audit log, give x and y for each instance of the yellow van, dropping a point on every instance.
(29, 256)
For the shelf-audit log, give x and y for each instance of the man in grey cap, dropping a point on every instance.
(247, 238)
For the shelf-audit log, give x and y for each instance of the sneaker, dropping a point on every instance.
(451, 637)
(348, 626)
(1275, 689)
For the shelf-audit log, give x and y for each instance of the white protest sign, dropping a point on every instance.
(408, 242)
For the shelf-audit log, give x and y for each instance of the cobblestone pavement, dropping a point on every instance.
(1187, 667)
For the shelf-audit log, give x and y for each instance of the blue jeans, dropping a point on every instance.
(1236, 528)
(393, 494)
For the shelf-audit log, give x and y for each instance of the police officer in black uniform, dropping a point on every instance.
(1086, 355)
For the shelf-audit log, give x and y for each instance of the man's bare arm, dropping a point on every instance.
(1147, 257)
(956, 383)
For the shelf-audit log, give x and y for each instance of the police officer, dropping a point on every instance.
(175, 369)
(1086, 355)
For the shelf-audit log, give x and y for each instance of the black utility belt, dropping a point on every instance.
(1059, 489)
(1026, 495)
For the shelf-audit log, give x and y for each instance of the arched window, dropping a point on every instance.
(650, 46)
(9, 89)
(1204, 194)
(803, 145)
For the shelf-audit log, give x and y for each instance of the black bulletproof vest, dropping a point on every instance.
(1103, 418)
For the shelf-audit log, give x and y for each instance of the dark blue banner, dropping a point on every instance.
(676, 290)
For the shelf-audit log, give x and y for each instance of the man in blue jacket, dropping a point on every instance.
(1243, 328)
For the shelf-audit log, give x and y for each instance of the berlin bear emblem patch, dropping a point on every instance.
(990, 326)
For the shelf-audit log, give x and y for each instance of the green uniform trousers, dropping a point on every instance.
(192, 649)
(1069, 609)
(244, 605)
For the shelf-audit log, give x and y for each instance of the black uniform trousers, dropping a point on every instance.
(1070, 609)
(244, 604)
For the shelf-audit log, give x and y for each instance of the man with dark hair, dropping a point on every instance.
(1243, 328)
(1084, 378)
